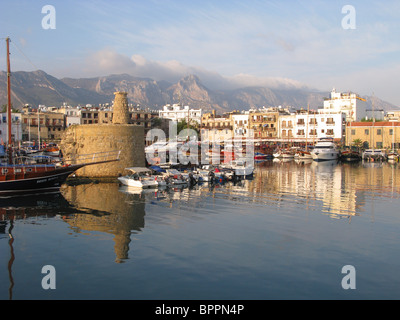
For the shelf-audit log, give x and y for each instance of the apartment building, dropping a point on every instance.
(264, 124)
(49, 126)
(215, 127)
(351, 104)
(176, 112)
(375, 135)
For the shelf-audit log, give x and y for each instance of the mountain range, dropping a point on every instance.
(39, 88)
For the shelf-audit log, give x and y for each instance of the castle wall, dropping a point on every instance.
(80, 140)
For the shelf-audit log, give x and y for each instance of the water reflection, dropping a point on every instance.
(107, 210)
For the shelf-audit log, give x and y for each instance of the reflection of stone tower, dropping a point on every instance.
(120, 108)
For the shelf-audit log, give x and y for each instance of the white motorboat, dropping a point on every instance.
(139, 177)
(241, 167)
(374, 154)
(324, 150)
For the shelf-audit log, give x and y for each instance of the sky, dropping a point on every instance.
(227, 44)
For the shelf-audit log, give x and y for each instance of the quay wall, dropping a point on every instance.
(79, 140)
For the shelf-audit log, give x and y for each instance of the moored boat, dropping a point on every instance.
(325, 150)
(24, 176)
(350, 155)
(139, 177)
(284, 154)
(374, 155)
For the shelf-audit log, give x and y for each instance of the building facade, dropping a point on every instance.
(374, 135)
(16, 127)
(178, 113)
(352, 105)
(216, 128)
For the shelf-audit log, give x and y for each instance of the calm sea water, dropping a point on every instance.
(285, 234)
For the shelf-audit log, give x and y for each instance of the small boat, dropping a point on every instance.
(240, 167)
(175, 177)
(139, 177)
(374, 155)
(284, 154)
(350, 155)
(260, 156)
(324, 150)
(303, 155)
(393, 156)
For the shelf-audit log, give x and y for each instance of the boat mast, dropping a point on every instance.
(8, 93)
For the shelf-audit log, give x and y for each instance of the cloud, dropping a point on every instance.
(108, 61)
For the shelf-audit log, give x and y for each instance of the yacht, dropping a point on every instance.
(325, 149)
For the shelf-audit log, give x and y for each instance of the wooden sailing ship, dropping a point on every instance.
(21, 177)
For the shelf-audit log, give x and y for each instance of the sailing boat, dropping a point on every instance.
(20, 177)
(305, 154)
(393, 155)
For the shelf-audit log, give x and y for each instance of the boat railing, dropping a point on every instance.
(106, 156)
(25, 164)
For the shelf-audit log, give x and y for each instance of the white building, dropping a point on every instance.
(241, 126)
(286, 127)
(72, 115)
(303, 126)
(177, 113)
(16, 127)
(354, 107)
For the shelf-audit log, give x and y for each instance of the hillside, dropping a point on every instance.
(38, 87)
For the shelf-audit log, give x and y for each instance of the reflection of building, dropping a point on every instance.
(108, 211)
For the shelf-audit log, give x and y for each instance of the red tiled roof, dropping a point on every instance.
(376, 124)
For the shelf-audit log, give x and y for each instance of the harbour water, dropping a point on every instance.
(285, 234)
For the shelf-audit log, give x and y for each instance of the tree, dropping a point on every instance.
(4, 108)
(357, 142)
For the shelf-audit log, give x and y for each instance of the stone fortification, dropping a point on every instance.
(90, 139)
(79, 140)
(120, 108)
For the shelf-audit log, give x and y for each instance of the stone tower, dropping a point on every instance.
(120, 108)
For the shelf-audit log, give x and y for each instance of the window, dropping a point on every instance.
(366, 132)
(379, 132)
(300, 132)
(353, 132)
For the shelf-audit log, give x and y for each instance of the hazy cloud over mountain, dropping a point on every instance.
(108, 61)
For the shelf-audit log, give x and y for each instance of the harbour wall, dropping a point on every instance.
(80, 140)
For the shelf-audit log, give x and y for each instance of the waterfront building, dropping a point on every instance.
(48, 126)
(264, 123)
(286, 127)
(72, 115)
(240, 125)
(303, 126)
(16, 128)
(352, 105)
(215, 127)
(392, 115)
(176, 112)
(374, 135)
